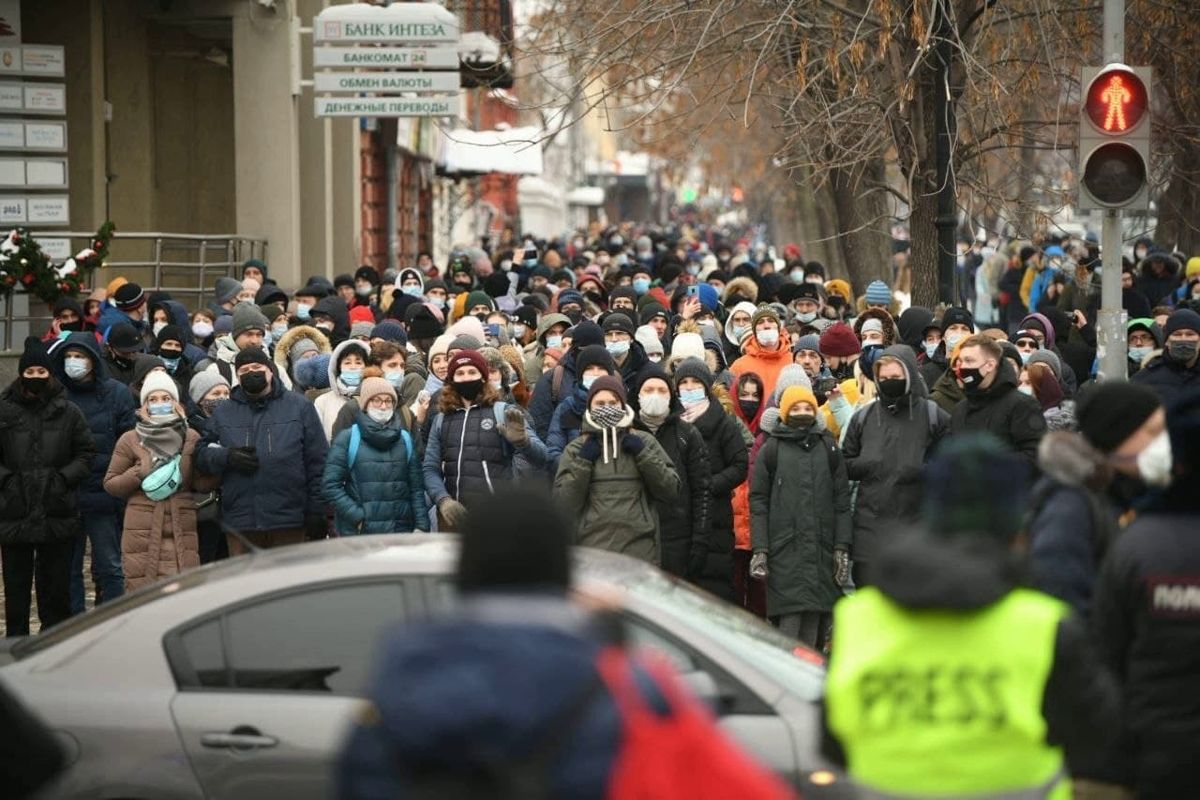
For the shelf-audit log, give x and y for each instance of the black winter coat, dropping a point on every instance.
(1013, 418)
(729, 462)
(1169, 378)
(109, 409)
(885, 446)
(683, 524)
(1147, 623)
(46, 453)
(291, 447)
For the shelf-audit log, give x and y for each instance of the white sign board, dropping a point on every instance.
(387, 106)
(412, 23)
(33, 173)
(397, 57)
(56, 249)
(387, 82)
(45, 137)
(41, 60)
(33, 98)
(34, 209)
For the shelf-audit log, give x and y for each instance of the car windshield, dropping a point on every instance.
(124, 604)
(780, 658)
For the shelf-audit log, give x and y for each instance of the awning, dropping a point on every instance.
(513, 151)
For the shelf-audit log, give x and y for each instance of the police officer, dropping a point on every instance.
(946, 678)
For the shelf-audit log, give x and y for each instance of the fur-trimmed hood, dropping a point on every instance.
(746, 287)
(1069, 459)
(890, 333)
(284, 346)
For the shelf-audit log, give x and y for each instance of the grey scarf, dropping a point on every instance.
(162, 436)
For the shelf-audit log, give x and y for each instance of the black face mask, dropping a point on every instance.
(254, 383)
(35, 387)
(73, 327)
(575, 316)
(892, 388)
(972, 379)
(843, 371)
(749, 407)
(469, 390)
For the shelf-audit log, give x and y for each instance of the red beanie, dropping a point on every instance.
(362, 314)
(468, 358)
(839, 340)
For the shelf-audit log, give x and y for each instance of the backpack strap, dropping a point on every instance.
(355, 442)
(556, 383)
(408, 442)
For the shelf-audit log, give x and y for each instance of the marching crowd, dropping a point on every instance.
(739, 419)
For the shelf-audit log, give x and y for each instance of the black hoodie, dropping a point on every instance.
(334, 308)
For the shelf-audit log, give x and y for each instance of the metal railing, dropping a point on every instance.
(183, 265)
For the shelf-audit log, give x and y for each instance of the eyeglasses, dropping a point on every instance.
(1032, 344)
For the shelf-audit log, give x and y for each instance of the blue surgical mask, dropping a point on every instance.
(1025, 357)
(394, 378)
(739, 331)
(415, 290)
(302, 310)
(351, 377)
(806, 316)
(693, 270)
(616, 349)
(437, 302)
(797, 276)
(279, 329)
(76, 368)
(171, 364)
(641, 285)
(691, 397)
(554, 340)
(161, 409)
(931, 348)
(1137, 354)
(586, 381)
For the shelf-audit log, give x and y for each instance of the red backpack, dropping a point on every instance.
(681, 755)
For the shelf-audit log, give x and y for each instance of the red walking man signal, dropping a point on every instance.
(1116, 101)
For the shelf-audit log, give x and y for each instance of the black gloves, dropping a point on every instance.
(632, 444)
(590, 449)
(243, 460)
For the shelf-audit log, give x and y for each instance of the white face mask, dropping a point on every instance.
(380, 415)
(157, 327)
(953, 339)
(1026, 389)
(1155, 462)
(767, 337)
(202, 329)
(655, 405)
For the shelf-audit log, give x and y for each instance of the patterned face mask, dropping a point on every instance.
(608, 416)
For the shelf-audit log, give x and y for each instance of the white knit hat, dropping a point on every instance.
(159, 381)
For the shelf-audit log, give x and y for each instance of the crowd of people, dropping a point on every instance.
(744, 421)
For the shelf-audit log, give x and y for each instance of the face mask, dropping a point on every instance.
(380, 415)
(254, 382)
(157, 327)
(815, 280)
(767, 338)
(202, 330)
(35, 386)
(586, 381)
(351, 377)
(971, 378)
(1155, 462)
(749, 407)
(1139, 354)
(364, 291)
(498, 384)
(325, 326)
(519, 330)
(1025, 357)
(171, 364)
(892, 387)
(797, 276)
(806, 316)
(437, 301)
(575, 316)
(279, 329)
(469, 390)
(952, 339)
(691, 397)
(800, 420)
(161, 410)
(739, 331)
(1183, 352)
(209, 406)
(641, 285)
(617, 349)
(77, 368)
(693, 270)
(1026, 389)
(394, 378)
(931, 349)
(413, 290)
(655, 357)
(302, 310)
(654, 405)
(843, 371)
(554, 341)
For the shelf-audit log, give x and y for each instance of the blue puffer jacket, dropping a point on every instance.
(384, 492)
(109, 409)
(291, 448)
(111, 315)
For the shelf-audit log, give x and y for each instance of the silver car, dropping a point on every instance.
(239, 680)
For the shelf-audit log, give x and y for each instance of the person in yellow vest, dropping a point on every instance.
(946, 677)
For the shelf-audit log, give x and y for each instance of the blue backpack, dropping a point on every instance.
(356, 440)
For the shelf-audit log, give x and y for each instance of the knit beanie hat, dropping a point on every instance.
(464, 342)
(649, 340)
(359, 329)
(839, 340)
(361, 314)
(34, 355)
(143, 364)
(871, 324)
(976, 485)
(765, 312)
(227, 289)
(251, 355)
(1192, 269)
(367, 273)
(593, 355)
(313, 373)
(300, 347)
(272, 311)
(1049, 358)
(159, 381)
(619, 321)
(371, 387)
(478, 298)
(585, 334)
(878, 293)
(1110, 412)
(687, 345)
(609, 383)
(129, 297)
(807, 342)
(1182, 320)
(709, 298)
(204, 382)
(171, 333)
(467, 358)
(247, 317)
(390, 331)
(793, 395)
(693, 368)
(568, 297)
(957, 316)
(223, 324)
(839, 287)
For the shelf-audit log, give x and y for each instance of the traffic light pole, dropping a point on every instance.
(1111, 325)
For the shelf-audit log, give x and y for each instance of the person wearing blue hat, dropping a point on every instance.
(878, 296)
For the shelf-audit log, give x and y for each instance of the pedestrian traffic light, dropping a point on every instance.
(1114, 137)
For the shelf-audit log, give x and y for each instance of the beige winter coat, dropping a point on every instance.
(159, 539)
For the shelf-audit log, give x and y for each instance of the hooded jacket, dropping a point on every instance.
(886, 444)
(890, 333)
(766, 364)
(46, 453)
(734, 346)
(614, 500)
(286, 433)
(330, 404)
(334, 307)
(799, 514)
(109, 409)
(283, 348)
(1013, 418)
